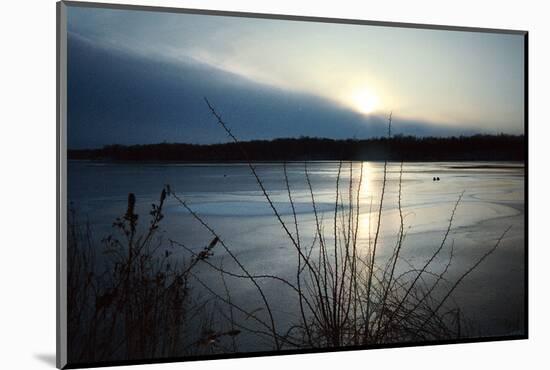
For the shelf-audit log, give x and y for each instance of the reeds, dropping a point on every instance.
(134, 300)
(138, 304)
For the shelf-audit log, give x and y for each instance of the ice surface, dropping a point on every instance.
(229, 199)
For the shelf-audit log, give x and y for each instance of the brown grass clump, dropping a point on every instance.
(134, 301)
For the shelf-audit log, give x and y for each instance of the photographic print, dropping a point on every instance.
(237, 185)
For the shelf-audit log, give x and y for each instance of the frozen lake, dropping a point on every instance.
(227, 196)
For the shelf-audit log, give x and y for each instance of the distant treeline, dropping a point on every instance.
(477, 147)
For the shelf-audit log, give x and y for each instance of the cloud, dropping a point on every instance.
(452, 78)
(117, 96)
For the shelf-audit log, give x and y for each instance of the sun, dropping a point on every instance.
(365, 101)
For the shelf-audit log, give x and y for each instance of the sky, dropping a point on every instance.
(140, 77)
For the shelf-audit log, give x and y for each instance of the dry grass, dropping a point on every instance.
(134, 300)
(139, 305)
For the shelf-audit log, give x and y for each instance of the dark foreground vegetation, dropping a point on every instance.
(477, 147)
(138, 294)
